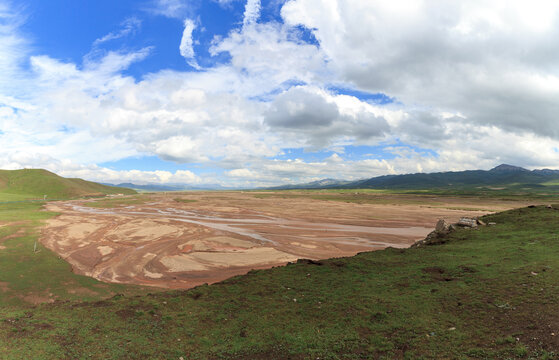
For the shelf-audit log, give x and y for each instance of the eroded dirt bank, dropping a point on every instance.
(167, 243)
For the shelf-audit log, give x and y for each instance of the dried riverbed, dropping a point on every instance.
(167, 243)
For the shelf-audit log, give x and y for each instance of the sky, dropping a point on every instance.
(251, 93)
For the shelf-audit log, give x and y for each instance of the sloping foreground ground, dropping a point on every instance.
(490, 293)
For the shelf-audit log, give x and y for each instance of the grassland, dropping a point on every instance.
(488, 293)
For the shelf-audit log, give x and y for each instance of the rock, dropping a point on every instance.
(491, 223)
(480, 222)
(437, 236)
(442, 227)
(309, 261)
(549, 207)
(433, 238)
(467, 222)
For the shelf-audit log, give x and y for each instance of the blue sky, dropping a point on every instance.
(255, 93)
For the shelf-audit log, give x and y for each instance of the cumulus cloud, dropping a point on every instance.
(299, 108)
(324, 118)
(269, 56)
(242, 173)
(490, 61)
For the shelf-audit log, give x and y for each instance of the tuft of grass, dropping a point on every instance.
(186, 201)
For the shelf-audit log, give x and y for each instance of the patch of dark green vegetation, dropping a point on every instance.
(108, 203)
(490, 293)
(186, 201)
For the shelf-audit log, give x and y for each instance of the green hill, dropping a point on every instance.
(35, 183)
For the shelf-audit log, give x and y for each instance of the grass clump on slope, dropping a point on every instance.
(489, 293)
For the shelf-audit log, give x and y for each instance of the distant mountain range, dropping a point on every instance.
(170, 187)
(319, 184)
(151, 187)
(502, 175)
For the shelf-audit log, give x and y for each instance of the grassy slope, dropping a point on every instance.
(34, 183)
(490, 293)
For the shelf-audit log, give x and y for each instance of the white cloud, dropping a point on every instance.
(186, 46)
(242, 173)
(129, 26)
(323, 118)
(170, 8)
(67, 168)
(225, 3)
(252, 12)
(491, 61)
(14, 49)
(265, 57)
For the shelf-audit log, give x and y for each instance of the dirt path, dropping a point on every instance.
(180, 245)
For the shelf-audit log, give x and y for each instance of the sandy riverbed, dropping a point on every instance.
(180, 245)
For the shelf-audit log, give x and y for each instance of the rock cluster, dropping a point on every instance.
(467, 222)
(438, 236)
